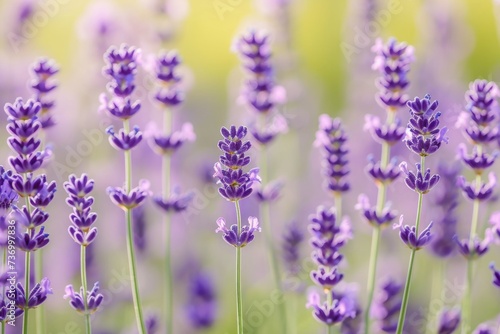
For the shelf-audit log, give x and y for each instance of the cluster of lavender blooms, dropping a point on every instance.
(83, 233)
(42, 85)
(329, 234)
(169, 96)
(23, 126)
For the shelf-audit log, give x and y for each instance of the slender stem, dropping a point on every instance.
(39, 312)
(4, 267)
(239, 297)
(27, 267)
(406, 293)
(166, 175)
(372, 271)
(130, 242)
(329, 300)
(133, 276)
(83, 270)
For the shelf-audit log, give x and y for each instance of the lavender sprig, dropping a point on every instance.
(24, 126)
(202, 306)
(480, 125)
(235, 185)
(121, 68)
(42, 84)
(424, 136)
(392, 61)
(83, 233)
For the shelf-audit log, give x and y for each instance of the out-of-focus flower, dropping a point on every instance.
(238, 238)
(449, 321)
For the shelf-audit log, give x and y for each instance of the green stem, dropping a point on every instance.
(27, 267)
(130, 242)
(83, 270)
(329, 300)
(39, 312)
(372, 270)
(239, 297)
(406, 293)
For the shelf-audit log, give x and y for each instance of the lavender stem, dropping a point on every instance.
(83, 269)
(239, 300)
(130, 240)
(329, 300)
(406, 293)
(27, 265)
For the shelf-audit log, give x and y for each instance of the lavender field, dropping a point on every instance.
(238, 166)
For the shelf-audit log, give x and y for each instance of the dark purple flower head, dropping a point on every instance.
(22, 147)
(82, 217)
(83, 236)
(449, 321)
(30, 218)
(234, 183)
(370, 213)
(392, 61)
(419, 182)
(329, 314)
(387, 305)
(480, 192)
(37, 295)
(292, 239)
(241, 238)
(472, 249)
(331, 138)
(44, 195)
(175, 203)
(23, 130)
(168, 144)
(124, 141)
(496, 275)
(31, 241)
(383, 175)
(483, 329)
(20, 111)
(28, 163)
(121, 68)
(132, 199)
(169, 97)
(409, 235)
(165, 67)
(43, 70)
(476, 161)
(76, 300)
(326, 277)
(202, 305)
(78, 187)
(120, 108)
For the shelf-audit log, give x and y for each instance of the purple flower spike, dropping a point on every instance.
(420, 183)
(370, 213)
(331, 138)
(168, 144)
(79, 187)
(496, 275)
(124, 141)
(27, 164)
(31, 241)
(477, 162)
(8, 196)
(326, 277)
(37, 295)
(389, 133)
(121, 67)
(132, 199)
(383, 175)
(94, 299)
(121, 109)
(202, 305)
(165, 67)
(325, 313)
(234, 183)
(475, 248)
(21, 111)
(409, 235)
(44, 195)
(22, 147)
(241, 239)
(449, 321)
(30, 218)
(43, 70)
(82, 237)
(475, 192)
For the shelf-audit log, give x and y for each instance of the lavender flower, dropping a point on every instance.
(94, 299)
(475, 248)
(292, 240)
(449, 321)
(238, 238)
(393, 62)
(419, 182)
(132, 199)
(409, 235)
(331, 138)
(373, 217)
(124, 141)
(234, 184)
(496, 275)
(166, 67)
(170, 143)
(37, 295)
(202, 305)
(483, 329)
(387, 306)
(175, 203)
(43, 71)
(328, 313)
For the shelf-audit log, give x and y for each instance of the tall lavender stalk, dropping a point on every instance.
(235, 185)
(423, 137)
(480, 124)
(83, 233)
(121, 68)
(260, 95)
(23, 126)
(42, 85)
(165, 144)
(393, 61)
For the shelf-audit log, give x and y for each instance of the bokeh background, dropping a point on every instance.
(321, 51)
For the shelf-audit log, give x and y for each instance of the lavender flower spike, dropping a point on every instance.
(387, 306)
(37, 295)
(131, 200)
(409, 235)
(328, 314)
(449, 321)
(94, 299)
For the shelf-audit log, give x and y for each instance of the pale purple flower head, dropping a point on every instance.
(132, 199)
(37, 295)
(329, 314)
(76, 299)
(238, 238)
(43, 70)
(409, 235)
(449, 321)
